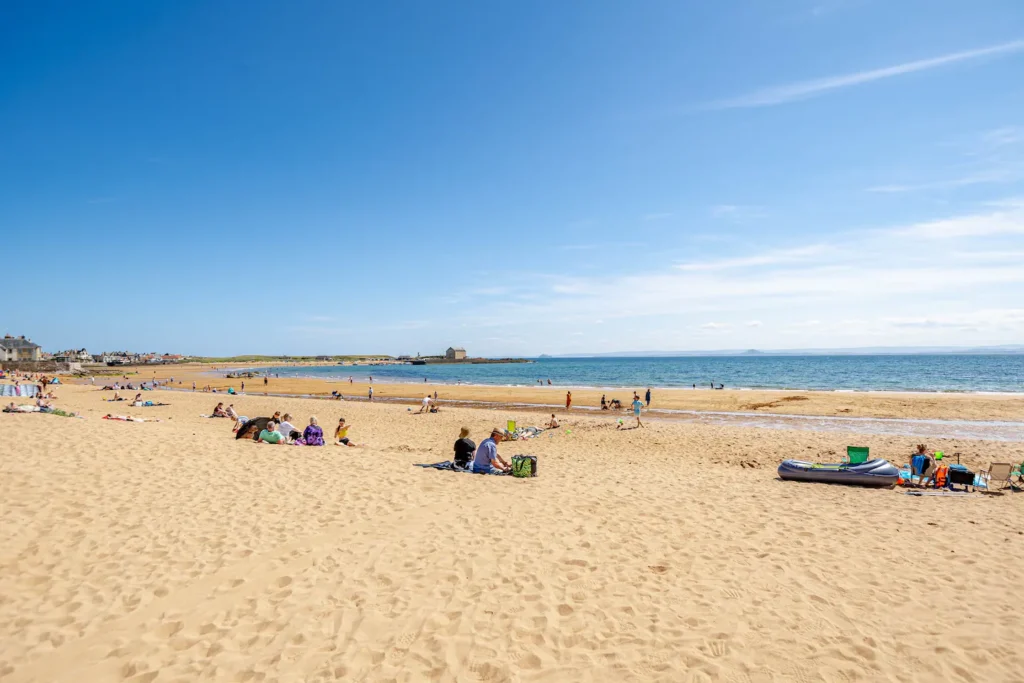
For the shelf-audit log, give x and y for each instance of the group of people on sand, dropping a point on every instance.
(482, 459)
(280, 430)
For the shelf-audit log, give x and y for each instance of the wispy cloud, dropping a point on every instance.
(773, 257)
(736, 213)
(973, 225)
(991, 157)
(873, 286)
(790, 92)
(600, 245)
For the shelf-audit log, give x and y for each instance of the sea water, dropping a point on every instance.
(929, 373)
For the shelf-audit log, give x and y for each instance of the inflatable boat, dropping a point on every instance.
(870, 473)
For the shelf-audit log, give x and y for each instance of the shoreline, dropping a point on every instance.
(983, 407)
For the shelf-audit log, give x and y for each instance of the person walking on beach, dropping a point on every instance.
(647, 397)
(193, 386)
(604, 403)
(637, 407)
(243, 385)
(266, 380)
(370, 393)
(568, 400)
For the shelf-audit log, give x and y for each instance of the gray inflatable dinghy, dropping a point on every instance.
(871, 473)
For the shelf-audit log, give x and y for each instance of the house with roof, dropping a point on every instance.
(455, 353)
(19, 348)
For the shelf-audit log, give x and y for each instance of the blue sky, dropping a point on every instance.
(517, 178)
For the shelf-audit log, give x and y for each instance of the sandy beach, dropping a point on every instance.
(168, 551)
(824, 403)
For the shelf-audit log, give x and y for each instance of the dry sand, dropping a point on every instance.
(170, 552)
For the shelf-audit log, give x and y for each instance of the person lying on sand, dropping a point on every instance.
(271, 435)
(341, 435)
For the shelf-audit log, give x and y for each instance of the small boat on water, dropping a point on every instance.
(871, 473)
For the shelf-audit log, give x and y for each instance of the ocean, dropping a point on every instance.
(923, 373)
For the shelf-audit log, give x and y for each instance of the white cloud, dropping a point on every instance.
(853, 289)
(977, 225)
(790, 92)
(768, 258)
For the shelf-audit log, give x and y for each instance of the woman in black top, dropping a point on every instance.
(464, 449)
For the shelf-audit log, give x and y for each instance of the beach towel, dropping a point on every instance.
(450, 466)
(23, 409)
(936, 492)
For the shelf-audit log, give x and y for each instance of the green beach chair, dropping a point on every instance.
(855, 455)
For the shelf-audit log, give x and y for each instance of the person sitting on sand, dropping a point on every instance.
(137, 401)
(117, 397)
(219, 411)
(464, 449)
(43, 405)
(553, 423)
(271, 435)
(921, 463)
(313, 435)
(285, 425)
(487, 460)
(341, 434)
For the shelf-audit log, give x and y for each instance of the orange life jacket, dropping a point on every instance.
(941, 474)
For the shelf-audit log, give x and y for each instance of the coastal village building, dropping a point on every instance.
(455, 353)
(74, 356)
(19, 348)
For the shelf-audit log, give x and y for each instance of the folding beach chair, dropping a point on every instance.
(856, 454)
(997, 473)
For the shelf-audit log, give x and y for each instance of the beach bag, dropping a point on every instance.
(524, 466)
